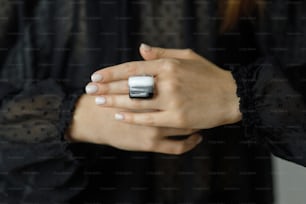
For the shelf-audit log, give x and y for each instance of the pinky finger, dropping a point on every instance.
(178, 147)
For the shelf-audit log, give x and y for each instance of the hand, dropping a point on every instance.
(191, 91)
(96, 125)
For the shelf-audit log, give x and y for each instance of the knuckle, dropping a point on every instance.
(161, 52)
(111, 101)
(107, 74)
(149, 120)
(130, 118)
(170, 65)
(189, 52)
(105, 89)
(130, 68)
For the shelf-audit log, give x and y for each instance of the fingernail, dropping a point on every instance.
(90, 89)
(145, 47)
(96, 77)
(119, 116)
(199, 140)
(100, 100)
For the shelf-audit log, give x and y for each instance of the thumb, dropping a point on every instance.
(151, 53)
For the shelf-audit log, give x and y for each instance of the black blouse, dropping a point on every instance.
(49, 48)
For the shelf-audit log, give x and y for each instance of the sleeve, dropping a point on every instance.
(36, 164)
(273, 109)
(272, 90)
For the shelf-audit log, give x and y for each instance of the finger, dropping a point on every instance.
(177, 146)
(123, 101)
(155, 119)
(151, 53)
(116, 87)
(125, 70)
(165, 132)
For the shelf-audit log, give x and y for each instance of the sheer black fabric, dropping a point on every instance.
(48, 50)
(36, 107)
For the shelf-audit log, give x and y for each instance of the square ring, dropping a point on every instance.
(141, 87)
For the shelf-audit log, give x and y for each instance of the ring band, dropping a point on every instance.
(141, 87)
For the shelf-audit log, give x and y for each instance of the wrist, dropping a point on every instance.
(233, 113)
(81, 126)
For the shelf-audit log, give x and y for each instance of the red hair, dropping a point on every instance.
(232, 10)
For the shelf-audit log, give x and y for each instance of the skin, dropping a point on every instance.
(95, 124)
(191, 92)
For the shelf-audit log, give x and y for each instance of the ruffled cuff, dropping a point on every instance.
(246, 78)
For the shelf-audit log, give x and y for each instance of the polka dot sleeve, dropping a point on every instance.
(36, 163)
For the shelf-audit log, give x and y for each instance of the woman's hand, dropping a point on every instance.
(191, 92)
(94, 124)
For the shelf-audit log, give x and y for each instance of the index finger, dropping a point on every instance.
(125, 70)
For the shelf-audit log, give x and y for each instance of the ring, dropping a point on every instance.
(141, 87)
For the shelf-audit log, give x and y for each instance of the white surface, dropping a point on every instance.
(290, 182)
(141, 81)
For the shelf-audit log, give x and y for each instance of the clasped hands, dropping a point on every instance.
(191, 94)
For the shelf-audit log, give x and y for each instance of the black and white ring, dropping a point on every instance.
(141, 87)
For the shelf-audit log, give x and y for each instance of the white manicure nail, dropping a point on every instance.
(119, 116)
(100, 100)
(145, 47)
(91, 89)
(96, 77)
